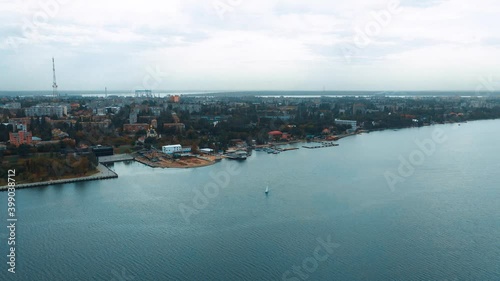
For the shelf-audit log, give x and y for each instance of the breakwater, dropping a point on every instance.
(320, 145)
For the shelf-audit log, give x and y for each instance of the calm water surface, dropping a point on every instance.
(441, 223)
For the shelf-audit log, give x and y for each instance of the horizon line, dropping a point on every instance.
(262, 90)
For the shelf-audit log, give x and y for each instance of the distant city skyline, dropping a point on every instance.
(229, 45)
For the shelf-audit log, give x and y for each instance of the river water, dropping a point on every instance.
(337, 213)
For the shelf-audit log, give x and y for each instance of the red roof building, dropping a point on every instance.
(275, 133)
(134, 128)
(22, 137)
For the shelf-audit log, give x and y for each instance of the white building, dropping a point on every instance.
(133, 118)
(156, 111)
(47, 110)
(347, 122)
(12, 105)
(171, 149)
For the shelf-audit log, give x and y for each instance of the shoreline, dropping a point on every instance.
(104, 173)
(107, 173)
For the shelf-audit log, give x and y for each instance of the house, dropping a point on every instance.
(177, 126)
(171, 149)
(134, 128)
(22, 137)
(351, 123)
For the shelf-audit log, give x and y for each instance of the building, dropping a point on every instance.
(185, 107)
(58, 134)
(100, 111)
(156, 111)
(143, 93)
(20, 123)
(96, 125)
(35, 140)
(358, 108)
(176, 118)
(132, 118)
(175, 98)
(112, 109)
(171, 149)
(12, 105)
(58, 122)
(102, 150)
(177, 126)
(47, 110)
(22, 137)
(134, 128)
(151, 133)
(275, 134)
(352, 123)
(206, 150)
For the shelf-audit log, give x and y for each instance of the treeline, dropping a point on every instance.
(48, 167)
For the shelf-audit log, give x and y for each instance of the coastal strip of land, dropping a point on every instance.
(103, 173)
(153, 160)
(149, 160)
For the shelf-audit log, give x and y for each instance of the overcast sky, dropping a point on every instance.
(250, 44)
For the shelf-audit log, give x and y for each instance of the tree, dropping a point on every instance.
(141, 133)
(94, 161)
(23, 150)
(4, 132)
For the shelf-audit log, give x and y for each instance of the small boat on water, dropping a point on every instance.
(267, 190)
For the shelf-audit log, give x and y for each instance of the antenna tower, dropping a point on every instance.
(54, 84)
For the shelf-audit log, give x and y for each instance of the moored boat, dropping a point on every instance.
(237, 155)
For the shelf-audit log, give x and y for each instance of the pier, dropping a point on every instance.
(115, 158)
(321, 145)
(104, 173)
(289, 148)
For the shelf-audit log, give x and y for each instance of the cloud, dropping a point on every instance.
(257, 44)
